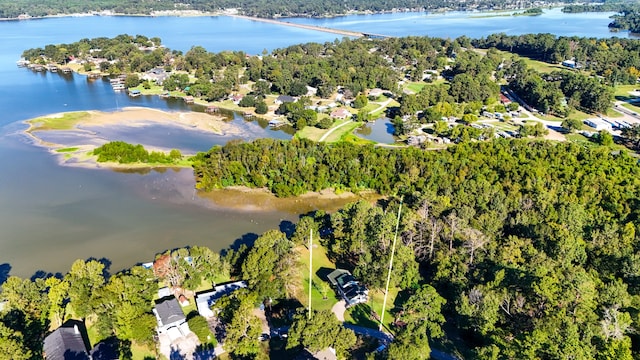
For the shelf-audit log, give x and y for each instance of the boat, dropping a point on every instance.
(23, 62)
(118, 87)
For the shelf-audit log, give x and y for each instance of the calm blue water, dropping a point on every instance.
(380, 131)
(51, 215)
(471, 24)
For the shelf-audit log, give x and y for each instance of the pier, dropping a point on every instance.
(314, 28)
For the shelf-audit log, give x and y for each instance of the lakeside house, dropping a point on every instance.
(340, 113)
(284, 99)
(171, 319)
(206, 299)
(66, 342)
(134, 93)
(188, 99)
(349, 289)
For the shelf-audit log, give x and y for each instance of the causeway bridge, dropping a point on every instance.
(315, 28)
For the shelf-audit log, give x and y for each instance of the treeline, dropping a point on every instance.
(629, 19)
(124, 153)
(605, 6)
(298, 166)
(616, 60)
(261, 8)
(532, 246)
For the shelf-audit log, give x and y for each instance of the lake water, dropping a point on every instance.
(51, 215)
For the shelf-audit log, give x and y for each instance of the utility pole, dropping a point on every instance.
(310, 268)
(393, 251)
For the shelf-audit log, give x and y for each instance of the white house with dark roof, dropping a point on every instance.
(65, 343)
(169, 315)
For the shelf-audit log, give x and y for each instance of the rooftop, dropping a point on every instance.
(169, 311)
(65, 343)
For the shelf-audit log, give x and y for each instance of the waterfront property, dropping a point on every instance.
(205, 300)
(170, 316)
(64, 343)
(349, 289)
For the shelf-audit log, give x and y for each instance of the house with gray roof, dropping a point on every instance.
(348, 287)
(169, 314)
(65, 343)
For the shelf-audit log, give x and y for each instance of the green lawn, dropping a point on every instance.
(343, 132)
(311, 133)
(68, 149)
(362, 314)
(321, 267)
(621, 92)
(65, 121)
(633, 108)
(415, 86)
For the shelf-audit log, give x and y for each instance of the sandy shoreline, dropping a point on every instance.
(79, 154)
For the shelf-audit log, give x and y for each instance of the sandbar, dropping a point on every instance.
(82, 125)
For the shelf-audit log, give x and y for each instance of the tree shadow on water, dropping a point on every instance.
(4, 272)
(287, 227)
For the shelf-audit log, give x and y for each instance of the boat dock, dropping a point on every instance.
(314, 28)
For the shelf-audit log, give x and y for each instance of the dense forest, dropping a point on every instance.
(507, 249)
(261, 8)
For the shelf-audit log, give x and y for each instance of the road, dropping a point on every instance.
(326, 135)
(379, 108)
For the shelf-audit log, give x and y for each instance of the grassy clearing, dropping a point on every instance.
(67, 149)
(621, 92)
(357, 140)
(343, 132)
(362, 314)
(631, 107)
(139, 352)
(311, 133)
(65, 121)
(415, 86)
(322, 266)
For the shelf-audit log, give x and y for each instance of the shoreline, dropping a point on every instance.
(85, 123)
(279, 17)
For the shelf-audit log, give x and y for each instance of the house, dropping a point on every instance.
(206, 299)
(236, 98)
(325, 354)
(351, 291)
(340, 113)
(375, 93)
(571, 64)
(134, 93)
(284, 99)
(65, 343)
(599, 124)
(188, 99)
(504, 100)
(157, 75)
(311, 91)
(169, 314)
